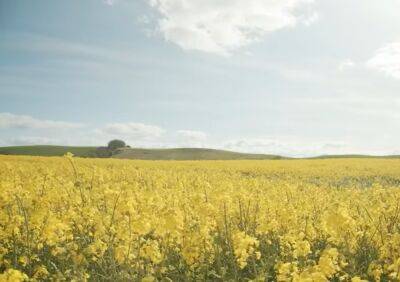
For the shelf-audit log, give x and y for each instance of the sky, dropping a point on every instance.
(288, 77)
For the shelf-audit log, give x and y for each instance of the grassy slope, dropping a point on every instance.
(188, 154)
(135, 153)
(45, 150)
(157, 154)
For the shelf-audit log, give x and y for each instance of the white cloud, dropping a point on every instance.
(8, 120)
(346, 64)
(310, 19)
(221, 26)
(387, 60)
(143, 19)
(109, 2)
(132, 130)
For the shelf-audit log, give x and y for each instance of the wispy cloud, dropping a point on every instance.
(346, 64)
(387, 60)
(109, 2)
(310, 19)
(192, 138)
(132, 130)
(8, 120)
(294, 147)
(31, 140)
(72, 51)
(223, 26)
(65, 48)
(193, 135)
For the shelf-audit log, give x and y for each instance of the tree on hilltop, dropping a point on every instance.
(116, 144)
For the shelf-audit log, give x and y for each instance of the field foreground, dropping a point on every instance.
(66, 218)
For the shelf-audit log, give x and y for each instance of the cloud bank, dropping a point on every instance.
(26, 130)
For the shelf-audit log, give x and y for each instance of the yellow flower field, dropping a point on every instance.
(119, 220)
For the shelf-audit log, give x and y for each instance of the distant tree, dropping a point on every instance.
(116, 144)
(102, 152)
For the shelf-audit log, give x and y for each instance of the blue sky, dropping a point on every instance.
(292, 77)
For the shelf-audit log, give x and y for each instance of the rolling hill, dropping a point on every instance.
(188, 154)
(137, 153)
(159, 154)
(46, 150)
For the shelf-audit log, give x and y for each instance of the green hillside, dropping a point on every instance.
(188, 154)
(158, 154)
(46, 150)
(136, 153)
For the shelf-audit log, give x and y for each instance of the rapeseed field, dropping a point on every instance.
(73, 219)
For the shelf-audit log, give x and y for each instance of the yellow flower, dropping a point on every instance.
(40, 272)
(244, 246)
(68, 155)
(328, 262)
(358, 279)
(152, 252)
(148, 279)
(302, 248)
(13, 275)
